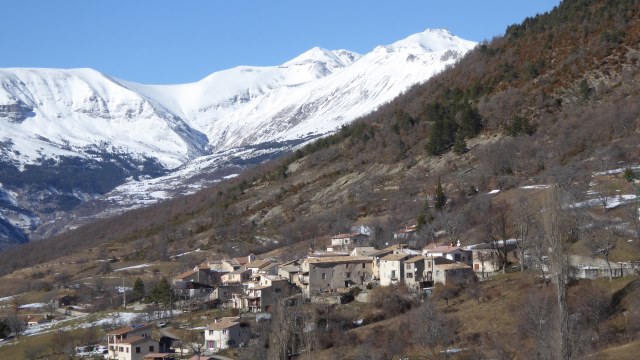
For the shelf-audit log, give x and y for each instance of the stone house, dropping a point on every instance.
(290, 270)
(225, 333)
(455, 253)
(440, 270)
(224, 292)
(392, 268)
(415, 275)
(333, 273)
(258, 265)
(237, 277)
(342, 242)
(485, 261)
(261, 295)
(379, 254)
(131, 343)
(407, 234)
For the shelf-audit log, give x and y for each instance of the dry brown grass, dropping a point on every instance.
(629, 351)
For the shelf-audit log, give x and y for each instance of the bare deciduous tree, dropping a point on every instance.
(434, 331)
(524, 222)
(602, 242)
(496, 232)
(536, 323)
(556, 233)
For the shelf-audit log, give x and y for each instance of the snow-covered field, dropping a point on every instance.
(112, 319)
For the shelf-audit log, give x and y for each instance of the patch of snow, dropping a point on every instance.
(493, 192)
(617, 171)
(133, 267)
(183, 254)
(529, 187)
(612, 202)
(33, 306)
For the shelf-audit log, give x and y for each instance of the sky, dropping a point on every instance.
(168, 42)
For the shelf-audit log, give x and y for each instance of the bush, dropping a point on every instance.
(393, 299)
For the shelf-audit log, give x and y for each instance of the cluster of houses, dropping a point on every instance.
(136, 343)
(249, 284)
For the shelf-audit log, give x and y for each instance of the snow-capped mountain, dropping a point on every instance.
(54, 122)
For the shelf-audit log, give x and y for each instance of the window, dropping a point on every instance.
(127, 350)
(363, 265)
(210, 332)
(277, 290)
(121, 349)
(409, 275)
(457, 257)
(393, 274)
(224, 331)
(324, 276)
(137, 349)
(346, 241)
(408, 266)
(151, 348)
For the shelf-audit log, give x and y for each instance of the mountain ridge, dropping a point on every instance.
(51, 116)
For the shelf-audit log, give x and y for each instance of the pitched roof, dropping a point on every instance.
(222, 324)
(441, 249)
(381, 252)
(128, 329)
(396, 247)
(134, 339)
(395, 257)
(347, 236)
(239, 271)
(258, 263)
(415, 259)
(185, 274)
(339, 259)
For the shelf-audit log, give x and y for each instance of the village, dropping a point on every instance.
(249, 287)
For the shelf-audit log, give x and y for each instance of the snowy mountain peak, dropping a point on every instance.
(431, 40)
(236, 117)
(331, 58)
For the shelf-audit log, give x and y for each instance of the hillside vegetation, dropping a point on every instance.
(555, 96)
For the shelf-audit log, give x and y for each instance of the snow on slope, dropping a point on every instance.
(214, 126)
(295, 111)
(221, 93)
(319, 107)
(65, 112)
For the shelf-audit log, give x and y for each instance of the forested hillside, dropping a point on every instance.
(554, 97)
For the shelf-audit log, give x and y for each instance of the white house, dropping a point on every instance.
(455, 253)
(392, 268)
(225, 333)
(131, 343)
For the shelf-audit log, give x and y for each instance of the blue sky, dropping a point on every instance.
(162, 41)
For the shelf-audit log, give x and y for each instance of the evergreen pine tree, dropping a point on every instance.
(162, 293)
(440, 198)
(138, 289)
(459, 145)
